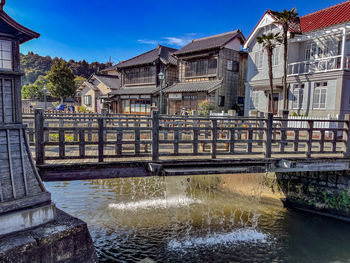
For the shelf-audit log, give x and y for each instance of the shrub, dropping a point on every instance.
(205, 107)
(82, 109)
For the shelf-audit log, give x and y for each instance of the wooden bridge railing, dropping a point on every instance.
(158, 136)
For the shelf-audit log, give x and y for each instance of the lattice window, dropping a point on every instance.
(5, 54)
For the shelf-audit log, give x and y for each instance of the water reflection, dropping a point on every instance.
(211, 218)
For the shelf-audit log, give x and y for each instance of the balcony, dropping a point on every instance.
(318, 65)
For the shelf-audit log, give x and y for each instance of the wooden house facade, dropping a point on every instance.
(21, 189)
(140, 85)
(212, 69)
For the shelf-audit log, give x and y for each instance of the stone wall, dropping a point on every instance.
(326, 192)
(65, 240)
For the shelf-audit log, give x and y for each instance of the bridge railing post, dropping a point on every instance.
(214, 138)
(310, 124)
(268, 139)
(347, 136)
(155, 135)
(39, 136)
(100, 139)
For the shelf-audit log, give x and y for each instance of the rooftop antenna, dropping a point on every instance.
(2, 3)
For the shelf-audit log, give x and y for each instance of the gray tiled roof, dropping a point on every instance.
(86, 84)
(135, 91)
(161, 52)
(111, 81)
(211, 42)
(110, 68)
(194, 86)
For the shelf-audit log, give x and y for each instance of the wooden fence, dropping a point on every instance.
(104, 138)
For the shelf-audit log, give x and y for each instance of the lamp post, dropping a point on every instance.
(45, 92)
(161, 78)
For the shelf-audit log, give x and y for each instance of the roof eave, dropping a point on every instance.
(198, 51)
(28, 33)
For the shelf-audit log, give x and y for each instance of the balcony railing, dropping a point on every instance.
(318, 65)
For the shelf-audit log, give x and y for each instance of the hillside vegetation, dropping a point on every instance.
(35, 65)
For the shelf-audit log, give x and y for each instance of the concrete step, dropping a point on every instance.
(212, 170)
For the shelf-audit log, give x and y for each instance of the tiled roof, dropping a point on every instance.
(194, 86)
(327, 17)
(24, 34)
(86, 84)
(135, 91)
(161, 52)
(111, 81)
(109, 68)
(211, 42)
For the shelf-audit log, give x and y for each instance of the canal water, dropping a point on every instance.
(209, 218)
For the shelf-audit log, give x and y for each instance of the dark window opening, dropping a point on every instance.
(221, 102)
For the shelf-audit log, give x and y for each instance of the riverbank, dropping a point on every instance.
(65, 240)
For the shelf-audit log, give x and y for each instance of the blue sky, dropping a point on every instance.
(96, 30)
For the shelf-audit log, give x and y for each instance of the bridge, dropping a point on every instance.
(87, 146)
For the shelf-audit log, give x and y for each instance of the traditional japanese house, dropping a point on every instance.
(24, 200)
(140, 85)
(212, 69)
(95, 91)
(110, 70)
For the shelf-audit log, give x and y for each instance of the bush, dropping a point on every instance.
(82, 109)
(67, 138)
(205, 107)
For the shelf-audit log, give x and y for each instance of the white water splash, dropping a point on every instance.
(237, 236)
(155, 203)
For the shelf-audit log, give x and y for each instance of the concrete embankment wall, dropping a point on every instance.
(322, 192)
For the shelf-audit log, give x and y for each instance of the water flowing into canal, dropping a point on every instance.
(209, 218)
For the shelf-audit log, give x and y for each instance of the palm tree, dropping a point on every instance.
(269, 42)
(286, 19)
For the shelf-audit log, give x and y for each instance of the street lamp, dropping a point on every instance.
(45, 92)
(161, 78)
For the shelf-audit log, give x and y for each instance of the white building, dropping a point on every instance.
(318, 64)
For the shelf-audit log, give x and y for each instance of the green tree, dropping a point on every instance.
(269, 42)
(285, 19)
(32, 92)
(35, 90)
(78, 81)
(61, 81)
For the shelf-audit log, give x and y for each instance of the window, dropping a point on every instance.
(275, 56)
(136, 106)
(125, 106)
(298, 96)
(255, 100)
(201, 67)
(140, 75)
(221, 102)
(190, 101)
(320, 95)
(317, 50)
(5, 54)
(229, 65)
(87, 100)
(259, 59)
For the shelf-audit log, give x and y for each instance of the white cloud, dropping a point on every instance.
(177, 41)
(146, 41)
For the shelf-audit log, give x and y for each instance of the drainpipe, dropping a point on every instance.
(343, 49)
